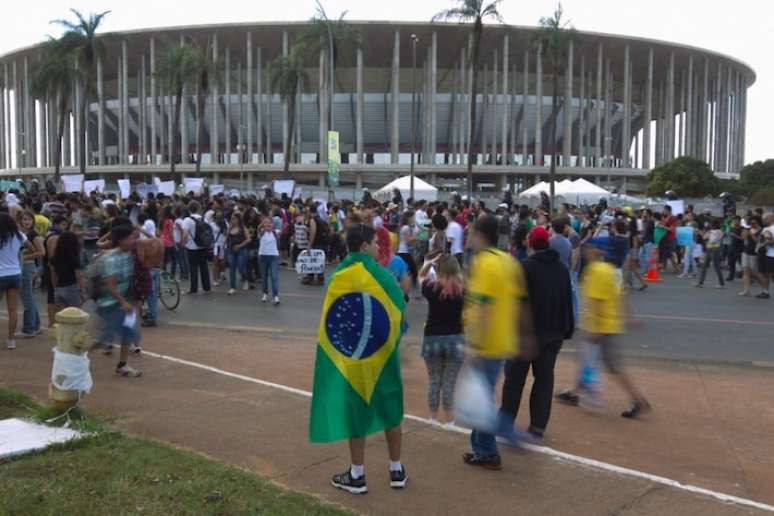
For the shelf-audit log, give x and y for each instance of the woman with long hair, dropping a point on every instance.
(167, 226)
(407, 241)
(12, 241)
(31, 318)
(268, 259)
(66, 271)
(444, 340)
(237, 241)
(219, 231)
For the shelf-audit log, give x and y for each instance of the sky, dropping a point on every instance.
(741, 29)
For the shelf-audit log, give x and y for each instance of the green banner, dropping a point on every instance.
(334, 158)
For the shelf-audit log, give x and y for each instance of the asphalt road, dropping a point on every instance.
(680, 322)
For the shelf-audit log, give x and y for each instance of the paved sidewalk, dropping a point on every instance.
(265, 430)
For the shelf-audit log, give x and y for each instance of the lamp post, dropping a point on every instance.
(414, 40)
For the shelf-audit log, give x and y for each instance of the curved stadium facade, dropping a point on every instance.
(631, 104)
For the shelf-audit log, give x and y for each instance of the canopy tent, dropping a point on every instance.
(422, 189)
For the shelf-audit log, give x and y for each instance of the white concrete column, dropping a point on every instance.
(8, 136)
(568, 114)
(227, 104)
(119, 112)
(506, 103)
(681, 117)
(214, 136)
(690, 135)
(322, 101)
(269, 117)
(258, 107)
(28, 113)
(395, 99)
(462, 112)
(670, 111)
(433, 97)
(627, 121)
(525, 108)
(285, 121)
(359, 110)
(184, 121)
(125, 93)
(3, 146)
(608, 113)
(512, 125)
(581, 114)
(143, 113)
(153, 148)
(539, 108)
(241, 111)
(648, 112)
(484, 126)
(249, 108)
(493, 108)
(76, 137)
(598, 125)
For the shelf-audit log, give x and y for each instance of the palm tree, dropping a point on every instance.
(81, 40)
(331, 35)
(206, 76)
(180, 64)
(53, 78)
(287, 73)
(475, 11)
(553, 39)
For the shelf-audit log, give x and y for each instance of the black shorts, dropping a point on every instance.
(766, 264)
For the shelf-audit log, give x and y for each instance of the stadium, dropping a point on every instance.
(632, 104)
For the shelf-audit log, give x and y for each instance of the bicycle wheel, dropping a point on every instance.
(169, 293)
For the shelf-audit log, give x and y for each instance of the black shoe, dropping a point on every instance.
(345, 482)
(568, 398)
(763, 295)
(148, 323)
(636, 409)
(398, 479)
(493, 462)
(534, 432)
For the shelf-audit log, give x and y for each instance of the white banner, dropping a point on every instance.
(73, 183)
(193, 184)
(217, 189)
(156, 181)
(234, 192)
(125, 187)
(166, 187)
(97, 185)
(283, 186)
(143, 190)
(678, 207)
(311, 262)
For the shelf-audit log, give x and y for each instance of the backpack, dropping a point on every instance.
(203, 236)
(150, 252)
(323, 234)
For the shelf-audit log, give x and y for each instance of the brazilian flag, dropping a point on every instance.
(357, 385)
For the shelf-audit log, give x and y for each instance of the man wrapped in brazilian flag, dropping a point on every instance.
(357, 382)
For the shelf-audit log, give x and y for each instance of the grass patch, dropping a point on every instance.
(109, 473)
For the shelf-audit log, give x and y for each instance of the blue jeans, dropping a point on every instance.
(269, 264)
(112, 318)
(31, 316)
(153, 300)
(645, 251)
(483, 444)
(237, 260)
(575, 297)
(689, 264)
(182, 260)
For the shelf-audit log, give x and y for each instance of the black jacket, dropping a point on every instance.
(550, 295)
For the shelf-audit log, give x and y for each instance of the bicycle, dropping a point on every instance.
(169, 291)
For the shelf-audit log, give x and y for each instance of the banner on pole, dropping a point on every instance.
(334, 158)
(125, 188)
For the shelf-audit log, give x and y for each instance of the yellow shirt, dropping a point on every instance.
(41, 224)
(601, 299)
(496, 282)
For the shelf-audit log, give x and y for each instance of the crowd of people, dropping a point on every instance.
(505, 285)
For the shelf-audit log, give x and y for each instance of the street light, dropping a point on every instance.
(414, 40)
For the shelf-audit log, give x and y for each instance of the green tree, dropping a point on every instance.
(758, 175)
(80, 39)
(763, 197)
(475, 11)
(180, 65)
(330, 35)
(553, 40)
(687, 176)
(287, 73)
(53, 79)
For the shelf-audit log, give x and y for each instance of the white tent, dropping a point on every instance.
(422, 189)
(535, 190)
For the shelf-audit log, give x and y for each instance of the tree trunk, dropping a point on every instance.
(62, 102)
(291, 122)
(552, 174)
(200, 98)
(82, 126)
(175, 131)
(474, 67)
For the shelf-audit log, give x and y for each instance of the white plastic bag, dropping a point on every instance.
(474, 401)
(71, 372)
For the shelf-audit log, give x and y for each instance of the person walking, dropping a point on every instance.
(766, 255)
(31, 317)
(268, 259)
(443, 341)
(750, 233)
(12, 241)
(713, 239)
(181, 214)
(494, 314)
(406, 243)
(166, 233)
(66, 272)
(735, 246)
(357, 381)
(689, 262)
(550, 294)
(237, 241)
(197, 240)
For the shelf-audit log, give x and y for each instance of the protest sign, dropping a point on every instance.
(311, 262)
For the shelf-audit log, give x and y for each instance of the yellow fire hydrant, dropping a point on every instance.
(70, 374)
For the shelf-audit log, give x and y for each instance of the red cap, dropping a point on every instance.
(538, 238)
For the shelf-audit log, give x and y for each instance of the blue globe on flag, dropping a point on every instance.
(357, 325)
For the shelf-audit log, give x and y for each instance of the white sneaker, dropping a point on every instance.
(231, 292)
(22, 335)
(265, 297)
(128, 372)
(276, 300)
(108, 350)
(246, 286)
(11, 344)
(216, 284)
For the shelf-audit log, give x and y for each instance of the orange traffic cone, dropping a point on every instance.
(653, 275)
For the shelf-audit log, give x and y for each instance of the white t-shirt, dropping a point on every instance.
(189, 225)
(268, 244)
(148, 226)
(770, 249)
(177, 231)
(9, 256)
(403, 245)
(455, 235)
(378, 222)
